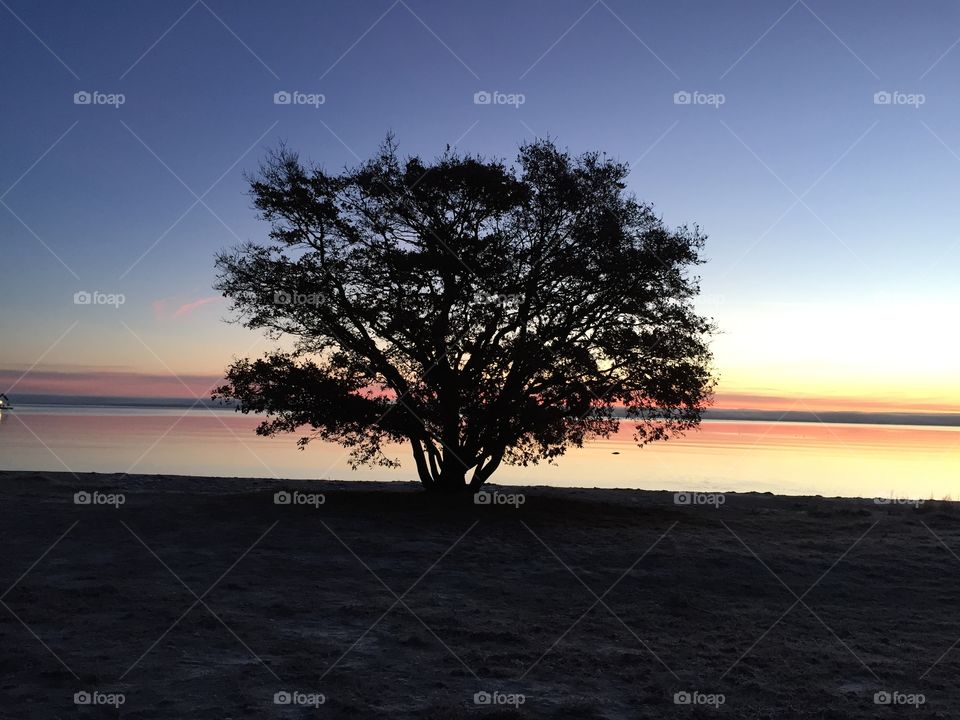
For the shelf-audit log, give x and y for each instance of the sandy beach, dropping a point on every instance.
(173, 597)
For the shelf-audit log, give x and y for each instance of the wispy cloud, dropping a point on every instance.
(170, 308)
(160, 308)
(189, 307)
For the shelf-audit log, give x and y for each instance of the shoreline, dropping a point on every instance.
(240, 484)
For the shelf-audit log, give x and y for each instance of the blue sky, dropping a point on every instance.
(832, 219)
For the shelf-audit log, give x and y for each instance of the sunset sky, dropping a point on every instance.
(832, 219)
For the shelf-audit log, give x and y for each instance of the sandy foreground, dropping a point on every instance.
(205, 598)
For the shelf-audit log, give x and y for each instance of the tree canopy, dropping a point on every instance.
(478, 311)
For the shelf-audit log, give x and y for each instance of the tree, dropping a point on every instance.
(482, 313)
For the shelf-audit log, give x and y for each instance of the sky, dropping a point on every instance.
(816, 143)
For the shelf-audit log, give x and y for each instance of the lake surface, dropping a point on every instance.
(856, 460)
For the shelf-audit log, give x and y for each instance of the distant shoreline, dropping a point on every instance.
(844, 417)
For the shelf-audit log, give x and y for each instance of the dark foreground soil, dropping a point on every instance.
(202, 598)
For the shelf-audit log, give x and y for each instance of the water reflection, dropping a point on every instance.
(793, 458)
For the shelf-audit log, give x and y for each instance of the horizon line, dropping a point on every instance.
(938, 418)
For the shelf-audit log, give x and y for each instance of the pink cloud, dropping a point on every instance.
(191, 306)
(163, 309)
(160, 308)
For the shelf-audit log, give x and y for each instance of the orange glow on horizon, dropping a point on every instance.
(107, 384)
(128, 383)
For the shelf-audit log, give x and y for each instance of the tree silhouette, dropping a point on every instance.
(482, 313)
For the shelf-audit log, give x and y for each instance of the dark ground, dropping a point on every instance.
(707, 601)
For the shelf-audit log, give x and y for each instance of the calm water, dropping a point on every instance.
(789, 458)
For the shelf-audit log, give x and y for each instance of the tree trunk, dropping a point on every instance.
(453, 478)
(423, 469)
(485, 470)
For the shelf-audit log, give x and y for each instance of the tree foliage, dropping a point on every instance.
(481, 312)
